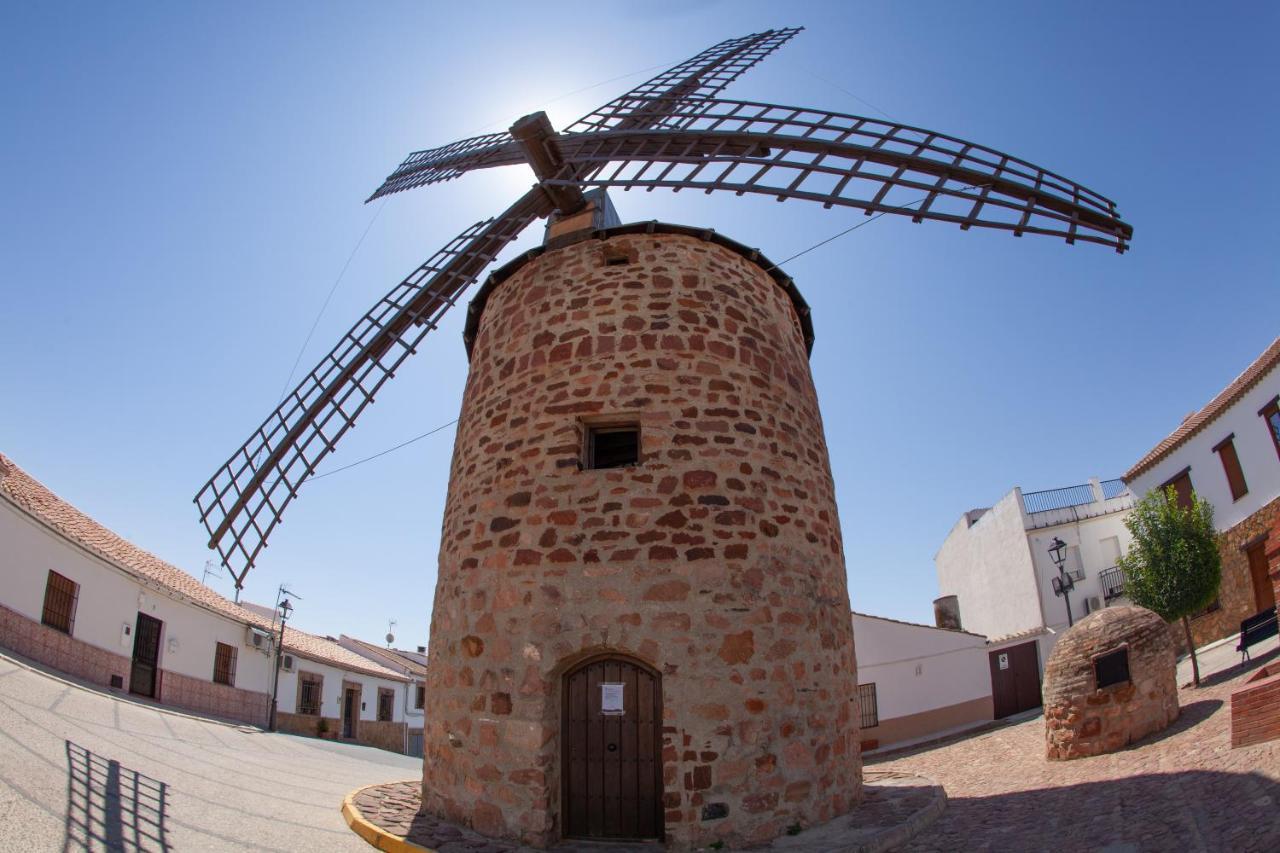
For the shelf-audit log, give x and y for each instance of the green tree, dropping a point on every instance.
(1173, 566)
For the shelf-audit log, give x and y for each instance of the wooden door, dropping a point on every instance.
(1015, 679)
(350, 708)
(611, 764)
(146, 656)
(1264, 594)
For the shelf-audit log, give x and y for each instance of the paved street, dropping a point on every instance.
(1183, 789)
(83, 770)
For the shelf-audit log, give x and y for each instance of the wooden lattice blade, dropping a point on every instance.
(243, 501)
(435, 165)
(846, 160)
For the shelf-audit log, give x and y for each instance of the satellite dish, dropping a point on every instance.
(391, 638)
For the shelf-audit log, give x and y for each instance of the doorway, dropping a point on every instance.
(350, 711)
(1015, 679)
(1264, 595)
(611, 750)
(143, 674)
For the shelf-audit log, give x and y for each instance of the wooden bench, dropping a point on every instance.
(1255, 629)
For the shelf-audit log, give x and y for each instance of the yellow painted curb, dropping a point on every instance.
(376, 835)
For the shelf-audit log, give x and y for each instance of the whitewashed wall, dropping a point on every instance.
(110, 600)
(1089, 538)
(987, 566)
(917, 668)
(1257, 454)
(331, 693)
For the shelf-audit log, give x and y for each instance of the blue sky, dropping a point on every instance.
(183, 185)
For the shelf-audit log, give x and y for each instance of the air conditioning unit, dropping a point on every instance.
(1092, 603)
(257, 638)
(286, 663)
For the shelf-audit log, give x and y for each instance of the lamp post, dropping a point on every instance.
(285, 609)
(1062, 584)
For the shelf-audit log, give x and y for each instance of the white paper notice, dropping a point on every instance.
(611, 697)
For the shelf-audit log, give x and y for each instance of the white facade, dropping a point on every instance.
(996, 561)
(331, 690)
(110, 599)
(928, 681)
(1259, 460)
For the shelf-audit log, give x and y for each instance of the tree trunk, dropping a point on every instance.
(1195, 664)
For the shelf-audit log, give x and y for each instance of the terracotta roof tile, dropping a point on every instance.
(1219, 404)
(32, 497)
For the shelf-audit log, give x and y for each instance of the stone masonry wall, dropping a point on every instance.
(1236, 593)
(717, 560)
(1082, 719)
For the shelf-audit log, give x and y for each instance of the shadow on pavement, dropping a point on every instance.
(110, 806)
(1223, 675)
(1165, 811)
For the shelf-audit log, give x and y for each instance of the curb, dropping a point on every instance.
(378, 837)
(912, 826)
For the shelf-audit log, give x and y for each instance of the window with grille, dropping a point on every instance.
(309, 691)
(60, 595)
(1226, 450)
(386, 704)
(420, 698)
(867, 701)
(1112, 668)
(613, 446)
(224, 664)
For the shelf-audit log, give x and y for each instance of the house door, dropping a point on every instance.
(1015, 679)
(1264, 595)
(350, 710)
(611, 741)
(146, 656)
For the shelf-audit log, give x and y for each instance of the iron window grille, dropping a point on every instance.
(60, 597)
(309, 692)
(1112, 668)
(386, 704)
(224, 664)
(867, 701)
(1112, 580)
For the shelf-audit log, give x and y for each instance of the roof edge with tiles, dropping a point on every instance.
(39, 503)
(1241, 385)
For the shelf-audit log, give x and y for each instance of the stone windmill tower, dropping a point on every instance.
(641, 625)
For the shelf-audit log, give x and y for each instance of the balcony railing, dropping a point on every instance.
(1112, 581)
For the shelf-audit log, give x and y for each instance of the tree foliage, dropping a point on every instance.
(1173, 566)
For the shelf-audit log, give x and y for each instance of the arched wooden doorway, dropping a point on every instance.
(611, 750)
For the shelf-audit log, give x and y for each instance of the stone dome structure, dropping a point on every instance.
(1110, 680)
(641, 623)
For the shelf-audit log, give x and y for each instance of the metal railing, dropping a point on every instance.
(1113, 488)
(1057, 498)
(1112, 581)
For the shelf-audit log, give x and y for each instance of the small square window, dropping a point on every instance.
(615, 446)
(1112, 668)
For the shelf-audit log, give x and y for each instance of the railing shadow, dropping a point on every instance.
(112, 807)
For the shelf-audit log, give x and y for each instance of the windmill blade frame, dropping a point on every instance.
(845, 160)
(436, 165)
(243, 501)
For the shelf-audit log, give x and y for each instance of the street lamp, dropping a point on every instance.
(285, 609)
(1062, 584)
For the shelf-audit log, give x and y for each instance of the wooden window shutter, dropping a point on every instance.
(1226, 450)
(1270, 413)
(60, 595)
(1182, 487)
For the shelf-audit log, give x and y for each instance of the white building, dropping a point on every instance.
(996, 562)
(918, 682)
(413, 666)
(1228, 453)
(80, 599)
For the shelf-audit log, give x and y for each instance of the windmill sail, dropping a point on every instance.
(242, 503)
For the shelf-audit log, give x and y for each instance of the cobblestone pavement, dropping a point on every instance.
(1180, 789)
(84, 769)
(893, 802)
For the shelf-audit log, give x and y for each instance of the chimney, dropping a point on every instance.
(946, 612)
(422, 650)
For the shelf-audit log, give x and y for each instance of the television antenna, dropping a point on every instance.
(672, 132)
